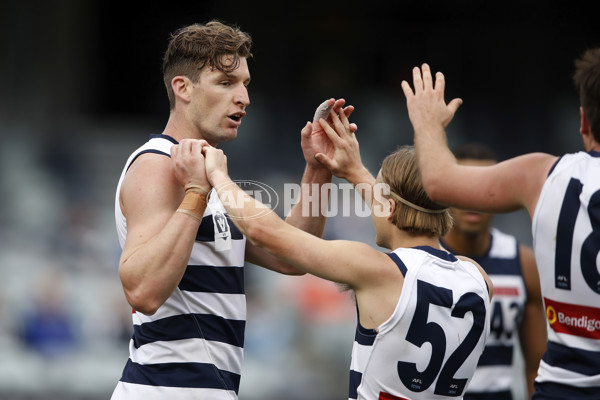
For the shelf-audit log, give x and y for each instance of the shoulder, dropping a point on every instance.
(149, 167)
(150, 179)
(531, 171)
(485, 276)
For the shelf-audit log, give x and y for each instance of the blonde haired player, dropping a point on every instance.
(423, 314)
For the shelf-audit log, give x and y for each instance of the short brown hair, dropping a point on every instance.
(400, 171)
(193, 47)
(587, 83)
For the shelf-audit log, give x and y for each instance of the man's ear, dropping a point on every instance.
(584, 128)
(181, 86)
(392, 208)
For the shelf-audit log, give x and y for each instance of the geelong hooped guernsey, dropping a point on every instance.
(429, 347)
(566, 234)
(493, 378)
(192, 347)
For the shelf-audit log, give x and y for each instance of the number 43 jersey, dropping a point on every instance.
(566, 241)
(430, 345)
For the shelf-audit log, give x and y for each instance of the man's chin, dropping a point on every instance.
(469, 227)
(228, 136)
(472, 230)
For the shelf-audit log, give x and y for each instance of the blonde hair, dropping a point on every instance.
(400, 171)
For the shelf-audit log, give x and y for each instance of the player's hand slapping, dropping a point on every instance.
(314, 140)
(427, 109)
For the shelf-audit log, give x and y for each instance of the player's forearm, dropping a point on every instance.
(532, 335)
(307, 213)
(363, 182)
(436, 161)
(360, 174)
(530, 375)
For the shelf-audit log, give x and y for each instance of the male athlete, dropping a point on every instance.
(562, 196)
(182, 262)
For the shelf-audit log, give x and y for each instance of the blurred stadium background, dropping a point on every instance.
(80, 88)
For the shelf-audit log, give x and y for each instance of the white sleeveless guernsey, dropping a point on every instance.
(566, 234)
(429, 347)
(192, 347)
(493, 378)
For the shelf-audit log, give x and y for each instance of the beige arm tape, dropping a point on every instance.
(193, 204)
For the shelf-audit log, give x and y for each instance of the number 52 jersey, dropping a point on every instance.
(566, 241)
(430, 345)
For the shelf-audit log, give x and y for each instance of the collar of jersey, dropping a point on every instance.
(437, 253)
(160, 136)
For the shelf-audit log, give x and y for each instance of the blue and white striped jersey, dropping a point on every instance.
(192, 347)
(430, 345)
(493, 378)
(566, 234)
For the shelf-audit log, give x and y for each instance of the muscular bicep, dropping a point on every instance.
(149, 196)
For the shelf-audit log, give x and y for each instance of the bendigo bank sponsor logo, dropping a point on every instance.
(573, 319)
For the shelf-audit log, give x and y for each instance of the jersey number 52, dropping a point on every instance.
(420, 331)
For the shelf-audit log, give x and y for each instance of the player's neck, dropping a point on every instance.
(594, 147)
(467, 244)
(175, 128)
(180, 128)
(404, 239)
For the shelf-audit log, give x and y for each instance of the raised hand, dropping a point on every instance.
(427, 108)
(344, 161)
(188, 165)
(314, 140)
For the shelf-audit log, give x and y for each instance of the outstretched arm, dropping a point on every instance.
(340, 261)
(503, 187)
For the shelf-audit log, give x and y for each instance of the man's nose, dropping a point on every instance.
(242, 97)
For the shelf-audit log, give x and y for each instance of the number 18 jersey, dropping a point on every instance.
(566, 241)
(430, 345)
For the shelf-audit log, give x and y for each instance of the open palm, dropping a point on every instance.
(314, 139)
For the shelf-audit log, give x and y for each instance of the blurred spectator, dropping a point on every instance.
(49, 328)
